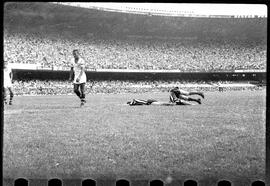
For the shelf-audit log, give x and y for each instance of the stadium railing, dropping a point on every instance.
(96, 74)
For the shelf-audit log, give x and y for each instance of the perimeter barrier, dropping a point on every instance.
(24, 74)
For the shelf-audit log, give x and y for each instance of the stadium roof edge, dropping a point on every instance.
(152, 12)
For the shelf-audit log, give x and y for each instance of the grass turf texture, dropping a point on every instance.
(51, 136)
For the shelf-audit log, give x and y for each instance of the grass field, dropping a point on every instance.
(51, 136)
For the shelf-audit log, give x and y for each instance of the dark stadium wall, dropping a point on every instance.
(138, 76)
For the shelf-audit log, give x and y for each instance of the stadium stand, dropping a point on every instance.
(184, 55)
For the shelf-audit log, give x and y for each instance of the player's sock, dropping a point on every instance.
(83, 98)
(5, 97)
(82, 104)
(150, 101)
(77, 92)
(137, 102)
(197, 93)
(11, 98)
(201, 94)
(82, 101)
(140, 102)
(197, 100)
(133, 102)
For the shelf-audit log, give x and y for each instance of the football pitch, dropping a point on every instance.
(51, 136)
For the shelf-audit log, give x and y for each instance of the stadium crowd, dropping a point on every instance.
(54, 87)
(56, 51)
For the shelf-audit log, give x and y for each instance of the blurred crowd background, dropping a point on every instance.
(38, 87)
(50, 51)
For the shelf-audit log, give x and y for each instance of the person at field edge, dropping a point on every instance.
(181, 96)
(8, 76)
(77, 74)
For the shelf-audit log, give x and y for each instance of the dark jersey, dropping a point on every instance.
(175, 92)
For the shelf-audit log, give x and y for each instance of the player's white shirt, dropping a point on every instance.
(7, 79)
(77, 67)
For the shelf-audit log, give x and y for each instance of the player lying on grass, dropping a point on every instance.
(177, 97)
(135, 102)
(177, 94)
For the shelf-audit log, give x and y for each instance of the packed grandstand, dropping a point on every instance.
(48, 51)
(36, 34)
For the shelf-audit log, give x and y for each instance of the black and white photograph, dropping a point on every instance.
(99, 93)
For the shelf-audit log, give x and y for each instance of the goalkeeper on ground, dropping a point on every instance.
(178, 95)
(136, 102)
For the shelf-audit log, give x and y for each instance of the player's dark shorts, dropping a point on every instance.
(79, 89)
(173, 97)
(80, 86)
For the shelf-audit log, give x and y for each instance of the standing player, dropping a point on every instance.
(177, 94)
(77, 74)
(8, 83)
